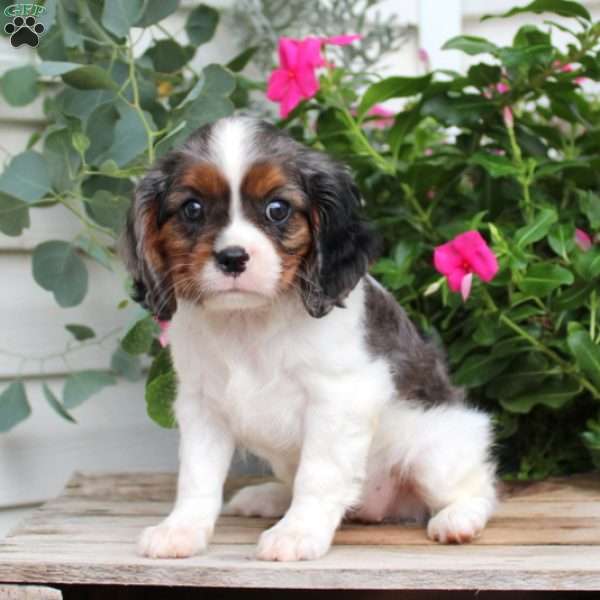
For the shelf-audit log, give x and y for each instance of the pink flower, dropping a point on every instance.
(502, 88)
(579, 80)
(423, 56)
(383, 116)
(459, 258)
(163, 339)
(566, 68)
(295, 79)
(583, 240)
(507, 115)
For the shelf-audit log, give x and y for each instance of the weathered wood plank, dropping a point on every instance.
(544, 536)
(29, 592)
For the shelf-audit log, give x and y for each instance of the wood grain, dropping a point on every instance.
(28, 592)
(543, 536)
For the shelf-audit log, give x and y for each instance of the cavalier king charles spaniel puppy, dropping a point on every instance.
(251, 244)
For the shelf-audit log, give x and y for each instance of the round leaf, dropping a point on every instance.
(202, 24)
(168, 56)
(126, 365)
(26, 177)
(155, 11)
(19, 86)
(58, 268)
(119, 15)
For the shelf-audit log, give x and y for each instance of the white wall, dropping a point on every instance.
(113, 432)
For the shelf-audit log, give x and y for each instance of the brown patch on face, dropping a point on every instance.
(294, 248)
(262, 179)
(206, 179)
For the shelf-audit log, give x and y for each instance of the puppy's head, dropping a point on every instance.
(240, 215)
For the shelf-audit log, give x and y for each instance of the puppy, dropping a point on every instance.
(251, 244)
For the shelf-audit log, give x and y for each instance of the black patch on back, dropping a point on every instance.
(418, 367)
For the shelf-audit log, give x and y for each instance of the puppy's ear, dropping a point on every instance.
(343, 245)
(141, 246)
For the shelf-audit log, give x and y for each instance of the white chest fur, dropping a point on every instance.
(252, 366)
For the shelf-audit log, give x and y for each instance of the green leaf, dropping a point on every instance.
(538, 229)
(119, 15)
(84, 384)
(202, 24)
(587, 264)
(573, 297)
(239, 62)
(14, 215)
(58, 268)
(565, 8)
(586, 354)
(138, 340)
(62, 159)
(26, 177)
(214, 81)
(589, 204)
(55, 403)
(525, 372)
(541, 279)
(89, 77)
(80, 332)
(553, 394)
(496, 166)
(108, 210)
(161, 364)
(131, 137)
(392, 87)
(160, 396)
(19, 86)
(14, 406)
(168, 56)
(470, 44)
(95, 251)
(155, 11)
(126, 365)
(100, 130)
(562, 239)
(478, 369)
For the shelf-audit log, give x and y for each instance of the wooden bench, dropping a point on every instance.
(545, 536)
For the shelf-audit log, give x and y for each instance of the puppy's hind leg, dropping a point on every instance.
(456, 477)
(269, 500)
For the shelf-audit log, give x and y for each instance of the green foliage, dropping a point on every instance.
(110, 110)
(520, 165)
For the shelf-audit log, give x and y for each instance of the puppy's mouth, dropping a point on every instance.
(235, 299)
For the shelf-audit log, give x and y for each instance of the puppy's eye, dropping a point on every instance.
(193, 210)
(278, 211)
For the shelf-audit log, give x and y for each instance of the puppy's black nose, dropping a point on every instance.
(232, 260)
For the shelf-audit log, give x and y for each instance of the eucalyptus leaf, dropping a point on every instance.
(56, 404)
(201, 24)
(14, 215)
(27, 177)
(155, 11)
(14, 406)
(89, 77)
(58, 268)
(126, 365)
(119, 15)
(80, 332)
(80, 386)
(19, 86)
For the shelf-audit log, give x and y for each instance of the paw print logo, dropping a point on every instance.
(24, 31)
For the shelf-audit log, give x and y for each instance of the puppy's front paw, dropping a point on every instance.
(285, 543)
(458, 523)
(173, 541)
